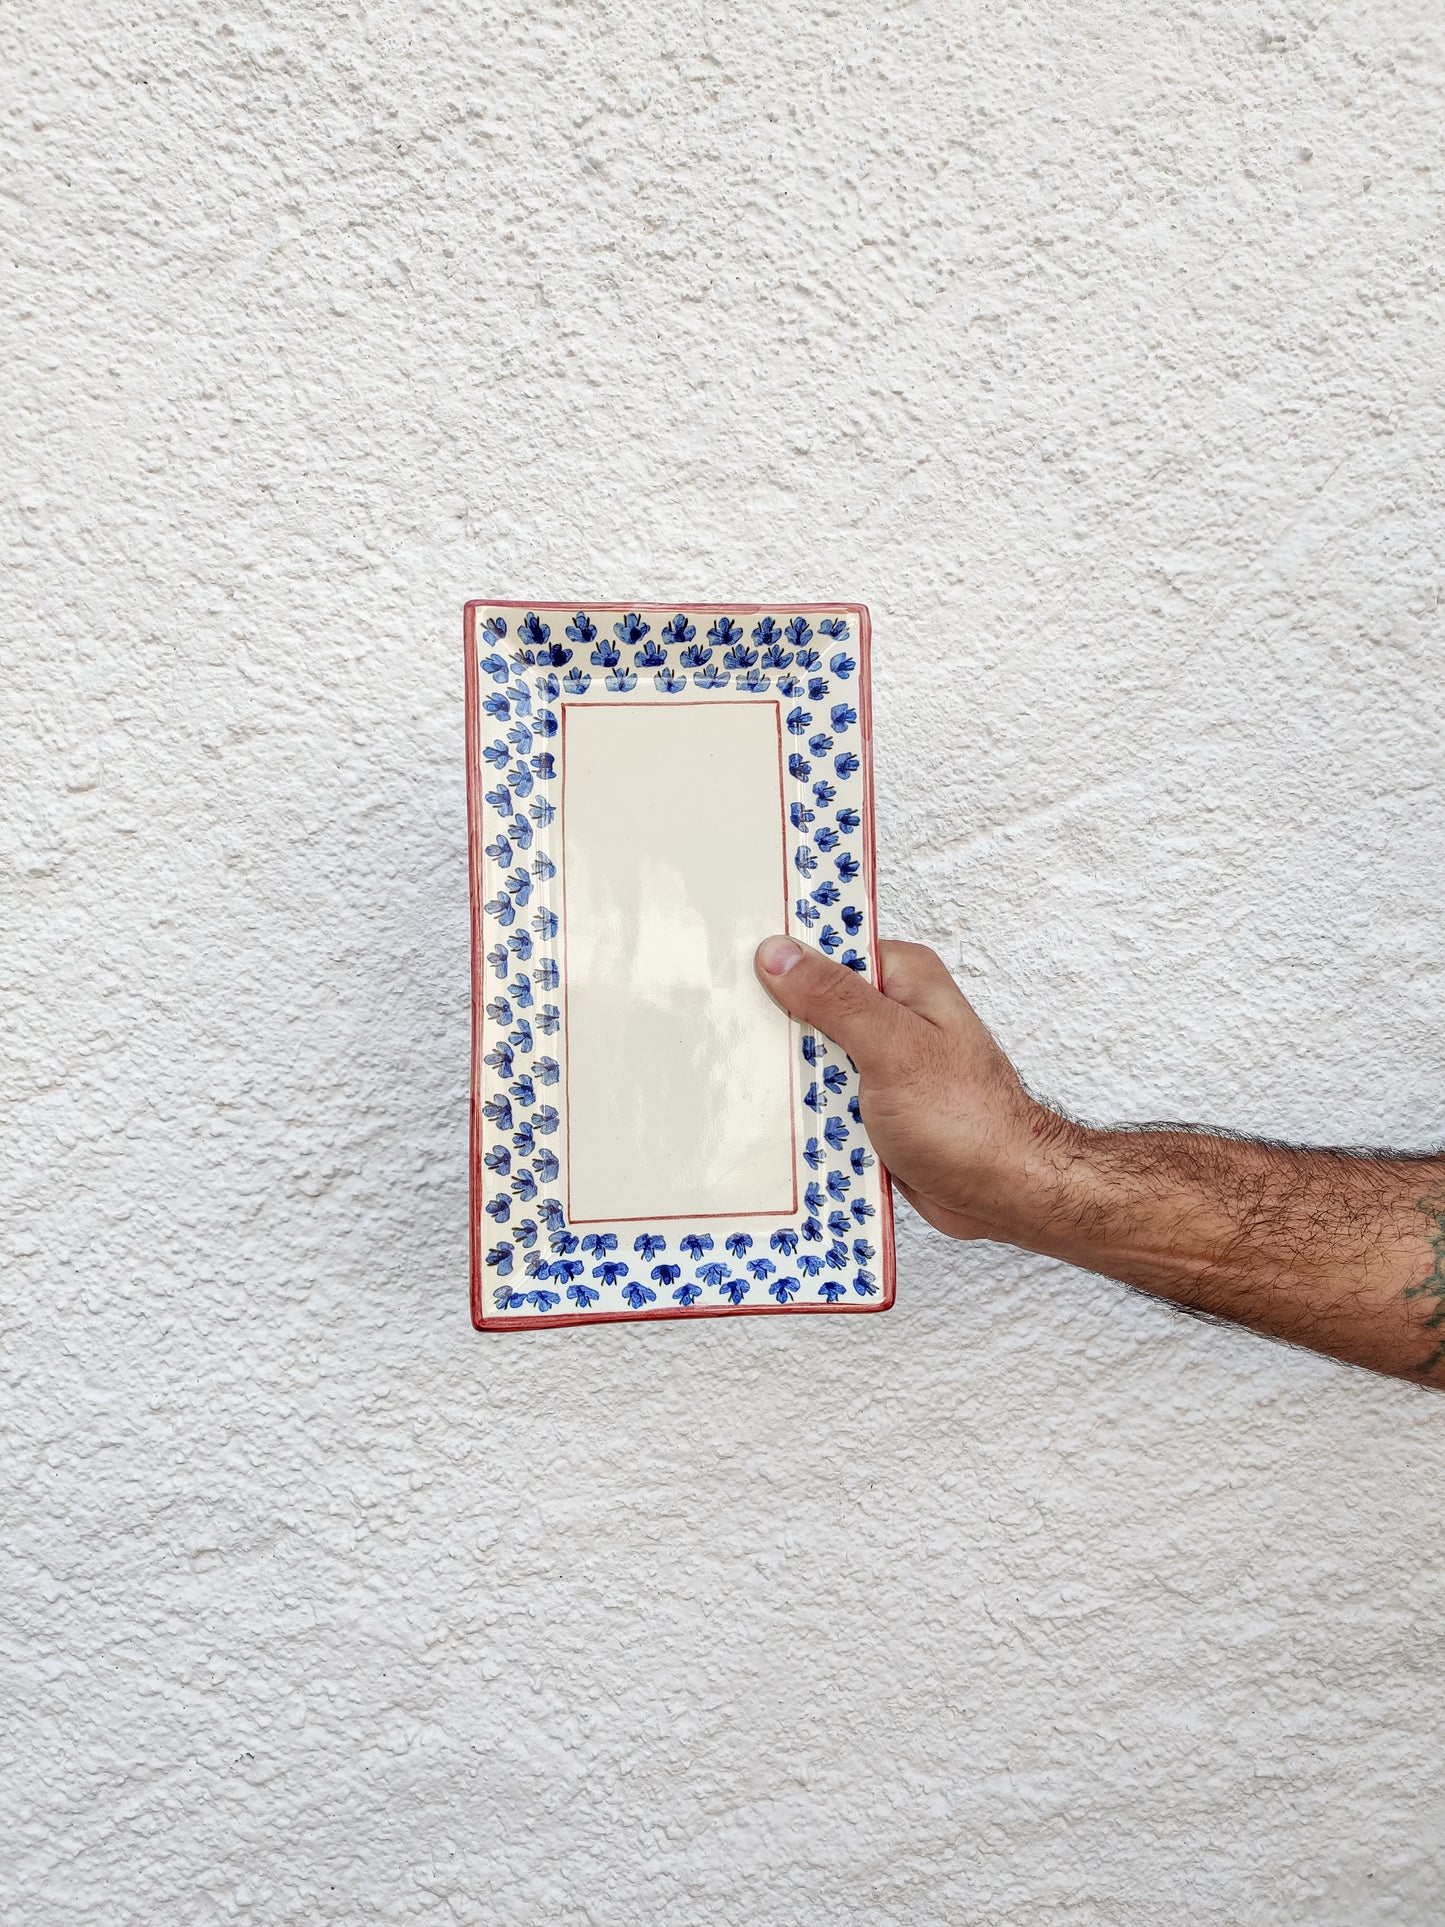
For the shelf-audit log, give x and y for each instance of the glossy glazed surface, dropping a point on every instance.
(651, 792)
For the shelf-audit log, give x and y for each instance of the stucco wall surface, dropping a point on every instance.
(1099, 348)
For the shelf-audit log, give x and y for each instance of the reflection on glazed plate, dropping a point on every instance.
(651, 790)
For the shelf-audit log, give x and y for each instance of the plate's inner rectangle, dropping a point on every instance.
(679, 1096)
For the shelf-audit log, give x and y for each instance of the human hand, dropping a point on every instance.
(963, 1141)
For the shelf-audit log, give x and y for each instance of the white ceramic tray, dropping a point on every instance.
(651, 791)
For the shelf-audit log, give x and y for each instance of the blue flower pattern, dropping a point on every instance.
(537, 1263)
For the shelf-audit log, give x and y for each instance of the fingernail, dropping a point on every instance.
(777, 956)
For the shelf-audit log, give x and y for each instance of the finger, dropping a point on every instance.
(839, 1002)
(917, 977)
(938, 1215)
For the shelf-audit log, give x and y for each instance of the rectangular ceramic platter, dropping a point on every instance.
(651, 791)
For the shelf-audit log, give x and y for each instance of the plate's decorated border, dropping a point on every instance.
(501, 665)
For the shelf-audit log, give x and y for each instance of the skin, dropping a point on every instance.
(1339, 1251)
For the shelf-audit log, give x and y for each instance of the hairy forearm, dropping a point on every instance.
(1340, 1252)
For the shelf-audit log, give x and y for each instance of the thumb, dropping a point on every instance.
(868, 1025)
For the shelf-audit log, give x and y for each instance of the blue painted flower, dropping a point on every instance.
(804, 860)
(861, 1209)
(838, 1184)
(766, 633)
(679, 631)
(621, 679)
(735, 1289)
(838, 1221)
(495, 667)
(505, 1299)
(696, 1243)
(497, 754)
(500, 799)
(821, 743)
(668, 682)
(546, 1166)
(548, 975)
(607, 655)
(583, 1295)
(737, 1243)
(581, 629)
(827, 892)
(754, 682)
(522, 1137)
(810, 1262)
(552, 1214)
(667, 1275)
(543, 1300)
(542, 812)
(761, 1267)
(850, 960)
(813, 1154)
(695, 655)
(842, 665)
(826, 838)
(687, 1294)
(864, 1286)
(724, 632)
(799, 634)
(547, 687)
(846, 765)
(494, 629)
(499, 1159)
(637, 1295)
(799, 815)
(520, 945)
(808, 659)
(812, 1231)
(652, 655)
(828, 939)
(740, 657)
(563, 1242)
(710, 677)
(785, 1241)
(835, 627)
(520, 987)
(613, 1269)
(545, 722)
(499, 1208)
(500, 1256)
(523, 1091)
(499, 1010)
(600, 1242)
(805, 912)
(842, 716)
(836, 1078)
(832, 1289)
(813, 1197)
(847, 866)
(817, 688)
(549, 1019)
(810, 1047)
(792, 686)
(852, 920)
(814, 1098)
(497, 705)
(714, 1272)
(576, 682)
(500, 1059)
(784, 1289)
(498, 1110)
(798, 721)
(838, 1255)
(546, 1119)
(630, 630)
(648, 1244)
(836, 1132)
(799, 767)
(863, 1252)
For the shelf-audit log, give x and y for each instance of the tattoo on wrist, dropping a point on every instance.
(1434, 1285)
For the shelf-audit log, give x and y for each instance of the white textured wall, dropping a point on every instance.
(1099, 347)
